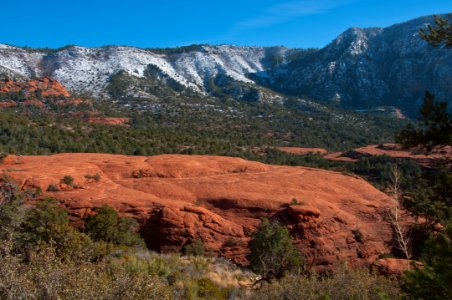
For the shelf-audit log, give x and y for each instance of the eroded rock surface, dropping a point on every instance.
(177, 199)
(45, 86)
(394, 267)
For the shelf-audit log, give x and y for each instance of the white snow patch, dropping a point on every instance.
(89, 69)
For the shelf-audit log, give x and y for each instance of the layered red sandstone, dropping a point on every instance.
(46, 86)
(220, 200)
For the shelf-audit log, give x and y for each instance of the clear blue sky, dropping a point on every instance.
(166, 23)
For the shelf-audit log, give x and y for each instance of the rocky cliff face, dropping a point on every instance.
(362, 68)
(40, 92)
(45, 87)
(178, 199)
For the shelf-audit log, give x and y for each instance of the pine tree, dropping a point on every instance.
(434, 200)
(107, 226)
(272, 252)
(436, 128)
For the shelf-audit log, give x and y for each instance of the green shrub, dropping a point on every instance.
(195, 248)
(69, 180)
(207, 289)
(230, 242)
(433, 281)
(95, 177)
(358, 235)
(2, 157)
(272, 252)
(41, 221)
(48, 224)
(70, 244)
(37, 192)
(106, 225)
(294, 201)
(386, 255)
(53, 188)
(12, 209)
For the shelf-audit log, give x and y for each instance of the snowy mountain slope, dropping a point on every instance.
(365, 68)
(88, 69)
(20, 62)
(361, 68)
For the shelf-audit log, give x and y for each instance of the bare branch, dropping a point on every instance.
(402, 233)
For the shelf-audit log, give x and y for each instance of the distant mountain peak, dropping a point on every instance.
(370, 67)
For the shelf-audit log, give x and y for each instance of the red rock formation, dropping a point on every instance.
(49, 87)
(394, 267)
(7, 85)
(6, 104)
(41, 92)
(33, 102)
(396, 151)
(220, 200)
(46, 86)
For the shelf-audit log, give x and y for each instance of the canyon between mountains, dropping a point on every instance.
(178, 199)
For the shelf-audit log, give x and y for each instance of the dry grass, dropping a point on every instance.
(45, 276)
(345, 284)
(128, 274)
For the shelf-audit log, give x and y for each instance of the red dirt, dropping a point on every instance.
(302, 151)
(220, 200)
(395, 150)
(338, 156)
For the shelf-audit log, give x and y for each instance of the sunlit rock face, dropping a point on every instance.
(177, 199)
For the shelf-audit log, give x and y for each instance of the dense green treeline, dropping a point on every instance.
(190, 127)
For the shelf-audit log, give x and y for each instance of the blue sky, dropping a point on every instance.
(159, 23)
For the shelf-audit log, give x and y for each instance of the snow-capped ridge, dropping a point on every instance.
(88, 70)
(362, 67)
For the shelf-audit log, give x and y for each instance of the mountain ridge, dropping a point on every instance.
(361, 68)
